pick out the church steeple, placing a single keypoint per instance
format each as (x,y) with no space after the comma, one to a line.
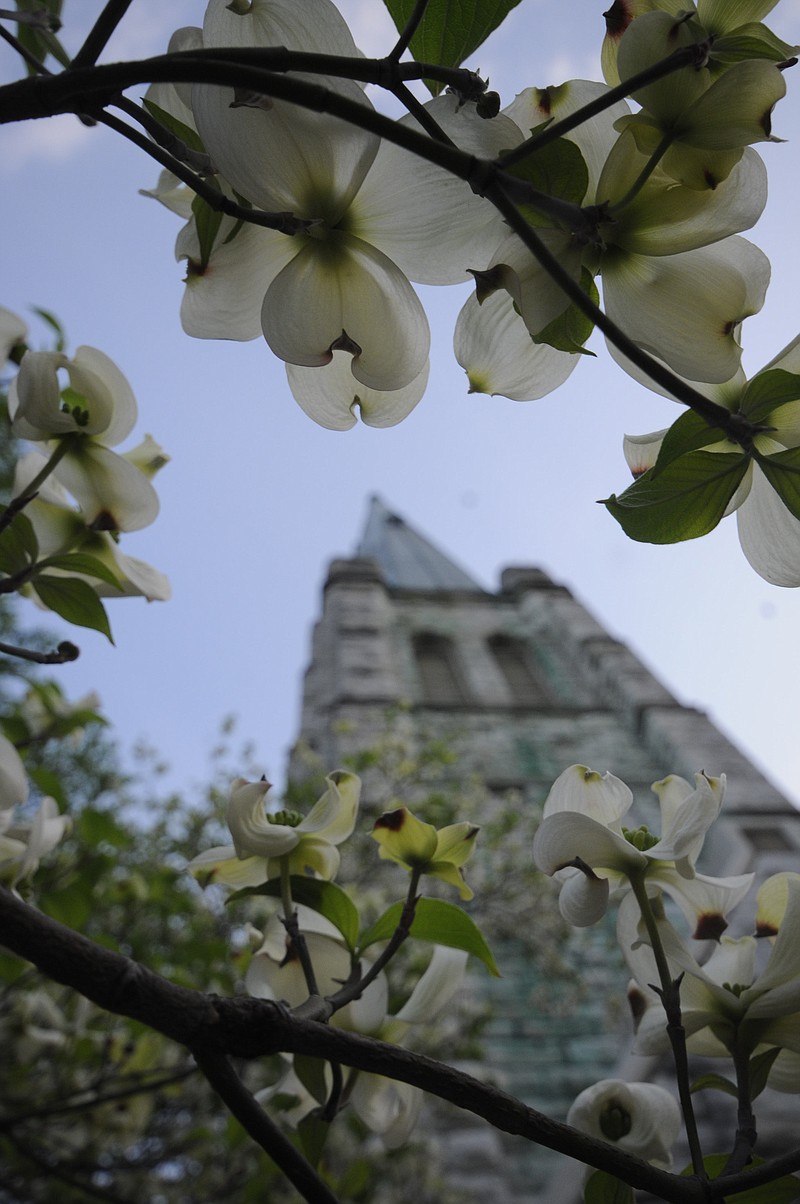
(407,559)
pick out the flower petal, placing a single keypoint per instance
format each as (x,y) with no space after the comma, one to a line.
(333,816)
(333,398)
(343,293)
(113,494)
(599,795)
(493,346)
(769,534)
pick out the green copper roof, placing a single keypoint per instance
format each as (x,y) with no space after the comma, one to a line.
(408,559)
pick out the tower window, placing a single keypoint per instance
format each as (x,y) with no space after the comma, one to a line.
(436,665)
(511,657)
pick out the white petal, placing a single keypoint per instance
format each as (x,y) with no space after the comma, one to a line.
(111,492)
(583,900)
(562,837)
(686,309)
(436,987)
(769,534)
(287,158)
(224,300)
(652,1116)
(333,816)
(346,291)
(312,25)
(641,451)
(387,1107)
(334,399)
(13,779)
(493,346)
(429,222)
(600,795)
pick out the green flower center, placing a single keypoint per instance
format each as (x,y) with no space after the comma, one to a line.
(615,1121)
(74,404)
(287,819)
(736,988)
(641,838)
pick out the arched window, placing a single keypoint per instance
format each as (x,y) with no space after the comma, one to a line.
(511,657)
(436,665)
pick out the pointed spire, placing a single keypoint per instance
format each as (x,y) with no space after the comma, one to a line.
(408,560)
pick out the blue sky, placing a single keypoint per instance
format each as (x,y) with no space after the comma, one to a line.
(258,499)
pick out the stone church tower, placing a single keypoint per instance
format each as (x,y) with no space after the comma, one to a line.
(519,684)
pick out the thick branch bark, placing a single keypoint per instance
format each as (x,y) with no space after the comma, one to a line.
(249,1028)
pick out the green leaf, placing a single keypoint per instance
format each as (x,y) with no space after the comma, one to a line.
(570,330)
(313,1133)
(450,30)
(602,1188)
(782,470)
(54,324)
(767,391)
(714,1082)
(83,563)
(780,1191)
(689,433)
(175,126)
(325,897)
(751,41)
(686,500)
(759,1068)
(50,783)
(558,170)
(18,544)
(75,601)
(437,921)
(311,1073)
(207,222)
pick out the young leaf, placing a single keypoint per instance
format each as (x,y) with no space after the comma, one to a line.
(437,921)
(767,391)
(313,1132)
(570,330)
(449,32)
(207,223)
(759,1069)
(714,1082)
(602,1188)
(75,601)
(311,1073)
(325,897)
(18,544)
(558,170)
(175,126)
(688,433)
(81,562)
(54,324)
(782,470)
(686,500)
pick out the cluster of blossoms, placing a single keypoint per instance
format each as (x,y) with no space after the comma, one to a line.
(269,844)
(78,493)
(23,844)
(651,200)
(727,1007)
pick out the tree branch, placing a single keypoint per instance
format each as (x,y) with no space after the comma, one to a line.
(254,1120)
(249,1028)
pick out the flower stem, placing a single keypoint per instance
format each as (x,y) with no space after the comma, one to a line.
(670,998)
(19,503)
(643,176)
(298,941)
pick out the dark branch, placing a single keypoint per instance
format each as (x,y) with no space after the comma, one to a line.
(100,32)
(64,652)
(249,1028)
(254,1120)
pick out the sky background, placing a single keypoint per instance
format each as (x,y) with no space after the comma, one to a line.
(257,499)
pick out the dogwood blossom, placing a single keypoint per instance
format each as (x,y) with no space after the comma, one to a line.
(262,840)
(95,413)
(582,840)
(60,527)
(768,532)
(387,1107)
(416,845)
(639,1118)
(23,845)
(725,1003)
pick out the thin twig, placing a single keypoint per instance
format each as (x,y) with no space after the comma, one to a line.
(101,31)
(411,26)
(64,653)
(255,1121)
